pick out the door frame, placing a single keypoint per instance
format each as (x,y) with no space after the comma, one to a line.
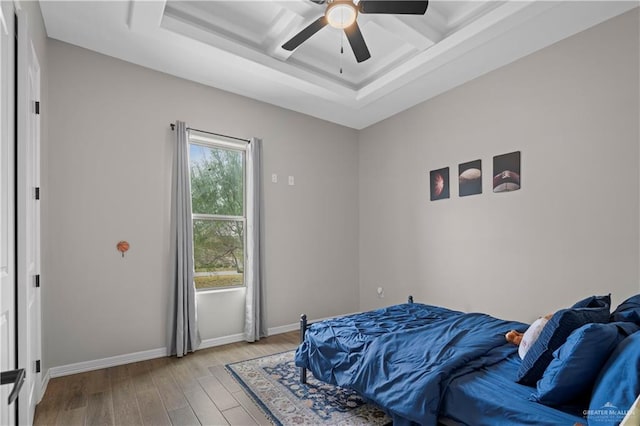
(27,355)
(8,210)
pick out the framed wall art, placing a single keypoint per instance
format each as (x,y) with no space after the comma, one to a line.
(470,178)
(439,180)
(506,172)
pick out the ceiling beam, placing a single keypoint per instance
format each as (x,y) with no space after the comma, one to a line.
(145,15)
(473,11)
(3,23)
(284,26)
(436,19)
(304,8)
(415,32)
(293,17)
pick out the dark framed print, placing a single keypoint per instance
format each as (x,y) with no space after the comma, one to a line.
(470,178)
(439,184)
(506,172)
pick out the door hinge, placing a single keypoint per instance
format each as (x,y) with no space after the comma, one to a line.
(37,193)
(37,366)
(37,280)
(38,107)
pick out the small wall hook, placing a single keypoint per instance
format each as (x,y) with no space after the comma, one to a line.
(122,247)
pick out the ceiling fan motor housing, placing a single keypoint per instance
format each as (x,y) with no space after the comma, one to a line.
(341,13)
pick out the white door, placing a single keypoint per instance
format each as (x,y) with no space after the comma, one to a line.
(7,210)
(28,249)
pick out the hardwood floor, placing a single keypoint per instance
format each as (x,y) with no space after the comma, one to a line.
(192,390)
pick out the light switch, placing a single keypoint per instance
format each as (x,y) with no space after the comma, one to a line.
(274,178)
(291,181)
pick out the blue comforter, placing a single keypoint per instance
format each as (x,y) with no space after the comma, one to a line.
(402,357)
(491,396)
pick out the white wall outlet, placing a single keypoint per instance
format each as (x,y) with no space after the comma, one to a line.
(380,292)
(291,181)
(274,178)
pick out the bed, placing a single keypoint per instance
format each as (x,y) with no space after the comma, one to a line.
(426,364)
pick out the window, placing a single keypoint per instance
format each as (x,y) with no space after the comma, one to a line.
(218,207)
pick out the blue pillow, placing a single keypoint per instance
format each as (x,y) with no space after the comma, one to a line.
(617,385)
(576,364)
(627,328)
(594,302)
(554,334)
(628,311)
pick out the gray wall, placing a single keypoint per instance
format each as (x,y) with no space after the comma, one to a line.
(109,179)
(359,212)
(571,231)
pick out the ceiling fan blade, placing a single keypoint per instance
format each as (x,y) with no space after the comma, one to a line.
(304,35)
(396,7)
(357,43)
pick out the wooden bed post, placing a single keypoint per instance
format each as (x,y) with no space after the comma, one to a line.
(410,299)
(303,329)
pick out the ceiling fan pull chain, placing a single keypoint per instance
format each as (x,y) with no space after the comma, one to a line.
(341,49)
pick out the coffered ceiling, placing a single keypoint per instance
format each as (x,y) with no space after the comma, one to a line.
(236,46)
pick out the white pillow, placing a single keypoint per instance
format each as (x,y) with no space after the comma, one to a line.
(531,335)
(633,415)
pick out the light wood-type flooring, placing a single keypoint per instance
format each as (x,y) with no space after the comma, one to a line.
(192,390)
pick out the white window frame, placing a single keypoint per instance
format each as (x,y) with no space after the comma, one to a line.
(196,138)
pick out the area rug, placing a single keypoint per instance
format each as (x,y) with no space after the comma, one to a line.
(273,382)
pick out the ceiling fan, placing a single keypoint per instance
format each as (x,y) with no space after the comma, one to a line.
(342,14)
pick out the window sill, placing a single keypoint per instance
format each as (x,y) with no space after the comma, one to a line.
(220,290)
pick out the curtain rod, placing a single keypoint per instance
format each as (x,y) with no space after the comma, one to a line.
(173,127)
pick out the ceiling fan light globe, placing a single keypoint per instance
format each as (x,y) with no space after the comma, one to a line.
(341,14)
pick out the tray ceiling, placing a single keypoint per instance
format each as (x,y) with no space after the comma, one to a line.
(236,46)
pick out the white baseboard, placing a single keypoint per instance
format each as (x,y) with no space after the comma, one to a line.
(82,367)
(283,329)
(296,326)
(97,364)
(219,341)
(44,384)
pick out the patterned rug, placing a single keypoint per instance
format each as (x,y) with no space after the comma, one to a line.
(274,384)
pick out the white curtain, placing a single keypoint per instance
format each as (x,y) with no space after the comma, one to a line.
(184,327)
(255,326)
